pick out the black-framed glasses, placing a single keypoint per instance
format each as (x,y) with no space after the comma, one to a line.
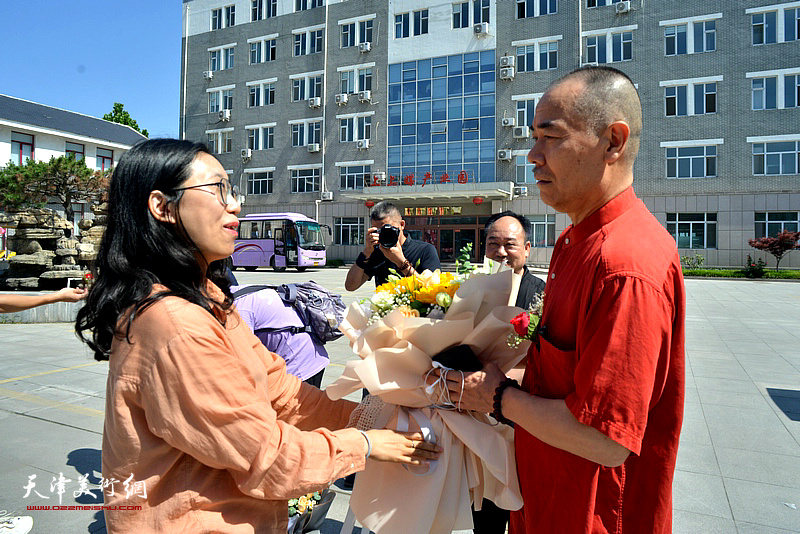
(228,194)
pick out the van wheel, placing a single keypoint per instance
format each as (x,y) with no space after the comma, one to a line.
(274,268)
(301,269)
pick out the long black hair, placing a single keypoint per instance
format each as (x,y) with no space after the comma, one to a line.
(138,251)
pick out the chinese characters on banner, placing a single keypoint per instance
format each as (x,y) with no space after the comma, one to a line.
(423,179)
(59,484)
(432,210)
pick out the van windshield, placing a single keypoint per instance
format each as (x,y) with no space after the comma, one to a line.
(310,235)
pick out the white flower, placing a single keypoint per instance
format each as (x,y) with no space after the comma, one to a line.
(382,300)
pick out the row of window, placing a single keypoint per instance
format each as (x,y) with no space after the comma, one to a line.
(225,17)
(307,180)
(22,149)
(699,230)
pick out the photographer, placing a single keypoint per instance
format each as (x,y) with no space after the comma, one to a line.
(387,247)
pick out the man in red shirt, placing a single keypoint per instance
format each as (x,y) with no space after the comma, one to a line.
(599,413)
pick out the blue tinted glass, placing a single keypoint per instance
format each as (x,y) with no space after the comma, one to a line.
(487,151)
(440,72)
(439,153)
(487,172)
(471,84)
(424,134)
(672,152)
(453,152)
(394,152)
(394,114)
(409,71)
(423,111)
(472,56)
(487,105)
(424,154)
(471,67)
(440,88)
(439,110)
(406,171)
(409,111)
(409,155)
(454,85)
(394,171)
(682,100)
(454,130)
(409,91)
(438,138)
(471,107)
(409,140)
(454,64)
(395,92)
(394,139)
(772,94)
(424,90)
(454,108)
(409,129)
(487,82)
(471,151)
(487,60)
(395,71)
(439,61)
(423,69)
(487,128)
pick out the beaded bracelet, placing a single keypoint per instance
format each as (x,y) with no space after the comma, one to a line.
(497,410)
(369,443)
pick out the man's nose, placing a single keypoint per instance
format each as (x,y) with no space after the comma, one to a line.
(535,155)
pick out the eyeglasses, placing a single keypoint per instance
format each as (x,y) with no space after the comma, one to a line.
(228,194)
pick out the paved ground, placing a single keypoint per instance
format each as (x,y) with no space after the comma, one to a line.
(738,466)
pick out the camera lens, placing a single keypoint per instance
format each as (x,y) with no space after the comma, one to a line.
(388,236)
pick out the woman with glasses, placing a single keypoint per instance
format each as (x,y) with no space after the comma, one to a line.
(202,423)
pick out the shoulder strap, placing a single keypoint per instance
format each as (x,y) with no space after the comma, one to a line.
(249,289)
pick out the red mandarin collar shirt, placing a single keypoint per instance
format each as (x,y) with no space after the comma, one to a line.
(613,349)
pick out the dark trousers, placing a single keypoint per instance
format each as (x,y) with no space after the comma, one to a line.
(490,519)
(316,380)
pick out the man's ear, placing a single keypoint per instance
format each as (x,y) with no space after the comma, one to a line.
(402,224)
(617,135)
(160,207)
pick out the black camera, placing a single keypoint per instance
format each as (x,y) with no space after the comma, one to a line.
(388,236)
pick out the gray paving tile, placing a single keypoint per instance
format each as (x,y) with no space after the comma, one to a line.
(697,458)
(764,504)
(732,399)
(700,494)
(726,384)
(766,468)
(695,431)
(684,522)
(776,441)
(743,527)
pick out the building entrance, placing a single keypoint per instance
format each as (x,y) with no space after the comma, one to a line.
(449,234)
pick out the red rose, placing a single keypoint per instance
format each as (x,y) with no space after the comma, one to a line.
(520,324)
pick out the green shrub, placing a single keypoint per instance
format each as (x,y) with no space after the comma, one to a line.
(335,263)
(754,269)
(693,262)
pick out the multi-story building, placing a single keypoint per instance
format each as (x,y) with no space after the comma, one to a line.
(327,108)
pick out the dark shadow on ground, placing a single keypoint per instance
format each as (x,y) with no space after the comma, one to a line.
(788,400)
(88,463)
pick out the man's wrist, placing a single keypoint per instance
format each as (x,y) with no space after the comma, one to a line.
(361,261)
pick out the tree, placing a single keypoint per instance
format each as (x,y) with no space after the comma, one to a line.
(120,116)
(779,245)
(64,178)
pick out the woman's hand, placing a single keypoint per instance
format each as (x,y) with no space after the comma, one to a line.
(402,447)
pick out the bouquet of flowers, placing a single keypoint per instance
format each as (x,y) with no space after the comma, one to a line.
(397,334)
(526,323)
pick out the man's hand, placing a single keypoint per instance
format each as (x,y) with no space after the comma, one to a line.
(371,241)
(478,387)
(395,255)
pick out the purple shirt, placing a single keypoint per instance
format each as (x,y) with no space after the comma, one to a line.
(304,357)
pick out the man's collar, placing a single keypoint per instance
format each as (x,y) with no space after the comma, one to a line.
(604,215)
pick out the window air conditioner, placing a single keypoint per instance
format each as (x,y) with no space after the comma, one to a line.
(365,96)
(507,73)
(362,144)
(247,153)
(520,191)
(507,61)
(208,75)
(313,147)
(622,7)
(522,132)
(225,115)
(364,47)
(504,155)
(509,121)
(326,196)
(341,99)
(480,29)
(314,102)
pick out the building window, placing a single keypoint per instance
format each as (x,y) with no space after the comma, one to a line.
(306,43)
(461,15)
(263,50)
(355,128)
(306,87)
(765,93)
(353,81)
(354,177)
(260,183)
(692,162)
(536,8)
(306,132)
(622,46)
(524,169)
(216,19)
(543,230)
(770,224)
(220,141)
(675,40)
(104,159)
(348,35)
(705,98)
(401,26)
(258,11)
(600,3)
(219,99)
(261,137)
(228,53)
(792,91)
(304,5)
(298,134)
(365,31)
(75,150)
(596,49)
(545,52)
(696,96)
(221,58)
(525,109)
(676,101)
(693,230)
(305,180)
(21,148)
(348,231)
(765,28)
(230,16)
(705,36)
(782,157)
(421,22)
(791,24)
(260,94)
(480,11)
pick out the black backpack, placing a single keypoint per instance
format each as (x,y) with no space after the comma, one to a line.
(320,310)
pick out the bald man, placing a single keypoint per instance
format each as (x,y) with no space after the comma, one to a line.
(599,412)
